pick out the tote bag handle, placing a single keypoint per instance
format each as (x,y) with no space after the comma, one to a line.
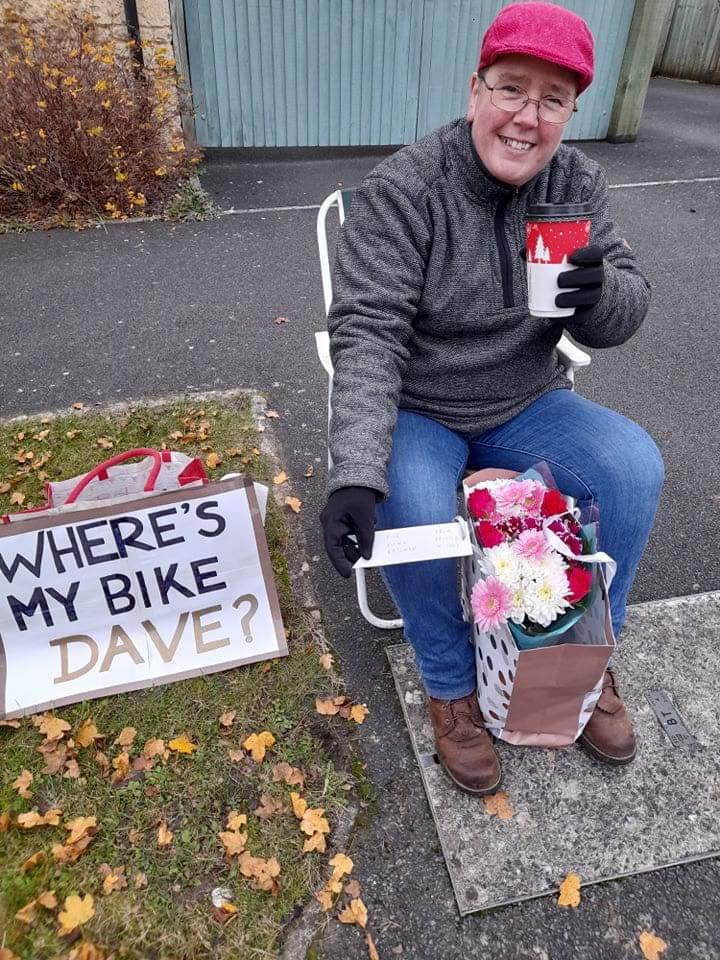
(120,458)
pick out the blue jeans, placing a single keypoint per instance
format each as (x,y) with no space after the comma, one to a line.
(596,456)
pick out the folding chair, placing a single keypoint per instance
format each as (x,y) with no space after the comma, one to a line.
(571,357)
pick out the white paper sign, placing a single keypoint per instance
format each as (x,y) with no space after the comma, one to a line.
(130,595)
(430,541)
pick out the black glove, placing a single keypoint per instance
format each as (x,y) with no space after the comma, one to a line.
(588,276)
(350,510)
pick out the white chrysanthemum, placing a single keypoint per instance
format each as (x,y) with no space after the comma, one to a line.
(506,564)
(545,596)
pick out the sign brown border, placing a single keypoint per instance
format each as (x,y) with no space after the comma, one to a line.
(141,503)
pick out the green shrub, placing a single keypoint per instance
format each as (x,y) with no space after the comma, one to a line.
(84,132)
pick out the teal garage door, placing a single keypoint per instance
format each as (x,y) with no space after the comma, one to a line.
(298,73)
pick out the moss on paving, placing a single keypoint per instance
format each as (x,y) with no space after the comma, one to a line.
(171,917)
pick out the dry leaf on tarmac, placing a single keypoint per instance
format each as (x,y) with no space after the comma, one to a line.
(289,775)
(309,471)
(263,874)
(326,661)
(279,320)
(272,414)
(280,478)
(22,783)
(352,888)
(236,820)
(140,881)
(33,861)
(79,405)
(372,949)
(257,743)
(324,898)
(182,745)
(651,945)
(87,734)
(213,460)
(113,878)
(341,865)
(570,891)
(268,807)
(53,728)
(498,805)
(27,914)
(358,712)
(76,911)
(299,805)
(164,835)
(234,842)
(294,504)
(125,737)
(34,819)
(227,718)
(355,912)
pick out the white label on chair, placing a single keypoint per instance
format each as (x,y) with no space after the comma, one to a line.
(432,541)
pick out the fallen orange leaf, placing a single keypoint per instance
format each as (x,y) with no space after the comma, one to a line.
(268,807)
(134,835)
(293,503)
(236,755)
(355,912)
(17,498)
(280,478)
(164,835)
(47,900)
(22,783)
(290,775)
(326,661)
(315,842)
(227,718)
(121,765)
(341,865)
(372,949)
(327,707)
(77,911)
(140,881)
(358,712)
(70,852)
(153,748)
(105,442)
(234,842)
(125,737)
(272,414)
(87,734)
(236,820)
(53,728)
(4,822)
(34,819)
(213,460)
(33,861)
(498,805)
(80,827)
(314,821)
(113,878)
(651,945)
(570,891)
(324,898)
(257,743)
(27,914)
(299,805)
(352,888)
(263,873)
(182,745)
(309,471)
(72,769)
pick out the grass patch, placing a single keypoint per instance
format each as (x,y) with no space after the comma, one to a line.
(191,202)
(172,916)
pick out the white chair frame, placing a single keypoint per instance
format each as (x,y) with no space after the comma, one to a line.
(571,357)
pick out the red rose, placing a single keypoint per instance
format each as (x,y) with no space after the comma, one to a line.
(553,503)
(488,535)
(481,504)
(579,583)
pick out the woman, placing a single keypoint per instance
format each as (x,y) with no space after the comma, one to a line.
(439,367)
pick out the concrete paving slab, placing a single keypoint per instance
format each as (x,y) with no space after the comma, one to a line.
(572,814)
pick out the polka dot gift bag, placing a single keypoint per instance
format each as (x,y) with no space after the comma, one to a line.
(536,592)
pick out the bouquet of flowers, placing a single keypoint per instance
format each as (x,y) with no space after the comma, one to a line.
(532,541)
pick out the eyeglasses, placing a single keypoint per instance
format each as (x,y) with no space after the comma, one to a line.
(513,99)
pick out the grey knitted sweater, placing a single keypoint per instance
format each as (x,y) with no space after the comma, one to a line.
(430,298)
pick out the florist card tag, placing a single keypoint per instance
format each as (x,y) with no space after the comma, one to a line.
(431,541)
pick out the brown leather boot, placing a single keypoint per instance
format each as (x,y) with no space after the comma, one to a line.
(609,735)
(463,744)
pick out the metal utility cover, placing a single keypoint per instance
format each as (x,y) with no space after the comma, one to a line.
(572,814)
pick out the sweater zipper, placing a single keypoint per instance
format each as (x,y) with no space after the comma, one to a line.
(504,251)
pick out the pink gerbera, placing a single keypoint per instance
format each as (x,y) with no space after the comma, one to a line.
(491,602)
(525,494)
(532,544)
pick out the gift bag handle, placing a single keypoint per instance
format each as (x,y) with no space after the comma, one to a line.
(120,458)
